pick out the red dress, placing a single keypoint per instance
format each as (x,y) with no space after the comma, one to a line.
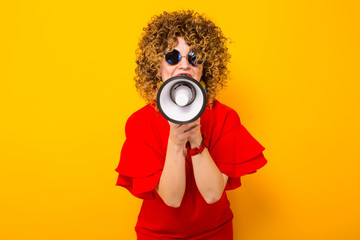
(232,148)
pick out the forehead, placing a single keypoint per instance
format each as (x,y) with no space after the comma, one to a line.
(178,43)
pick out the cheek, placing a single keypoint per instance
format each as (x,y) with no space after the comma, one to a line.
(165,71)
(199,73)
(162,70)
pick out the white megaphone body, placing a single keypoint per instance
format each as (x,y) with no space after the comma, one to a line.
(181,99)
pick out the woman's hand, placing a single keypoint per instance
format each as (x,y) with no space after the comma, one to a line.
(196,138)
(181,133)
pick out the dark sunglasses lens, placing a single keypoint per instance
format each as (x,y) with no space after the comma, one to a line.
(173,57)
(192,58)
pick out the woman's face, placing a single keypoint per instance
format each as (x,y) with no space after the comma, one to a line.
(183,66)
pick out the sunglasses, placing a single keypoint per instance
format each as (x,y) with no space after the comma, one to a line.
(174,57)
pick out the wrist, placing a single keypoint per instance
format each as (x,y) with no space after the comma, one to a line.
(196,150)
(196,143)
(174,146)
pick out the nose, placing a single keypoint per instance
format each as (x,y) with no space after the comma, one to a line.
(184,63)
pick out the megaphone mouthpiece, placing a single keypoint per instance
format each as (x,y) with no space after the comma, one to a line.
(182,93)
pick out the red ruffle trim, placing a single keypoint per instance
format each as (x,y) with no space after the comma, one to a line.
(141,187)
(235,171)
(236,154)
(139,169)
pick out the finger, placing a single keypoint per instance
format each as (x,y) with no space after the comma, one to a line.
(197,121)
(193,131)
(192,127)
(174,125)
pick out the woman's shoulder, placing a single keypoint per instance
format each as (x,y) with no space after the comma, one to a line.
(141,119)
(143,113)
(221,110)
(219,106)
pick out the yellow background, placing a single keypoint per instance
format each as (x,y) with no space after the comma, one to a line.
(66,90)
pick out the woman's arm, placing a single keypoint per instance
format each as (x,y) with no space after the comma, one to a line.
(171,187)
(209,180)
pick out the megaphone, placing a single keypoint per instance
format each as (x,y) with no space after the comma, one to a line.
(181,99)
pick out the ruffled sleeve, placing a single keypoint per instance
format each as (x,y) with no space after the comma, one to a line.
(236,152)
(141,161)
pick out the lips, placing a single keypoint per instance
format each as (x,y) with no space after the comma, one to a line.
(187,74)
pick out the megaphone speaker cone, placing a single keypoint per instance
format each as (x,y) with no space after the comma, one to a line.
(181,99)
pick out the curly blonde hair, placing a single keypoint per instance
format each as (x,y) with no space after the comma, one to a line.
(202,36)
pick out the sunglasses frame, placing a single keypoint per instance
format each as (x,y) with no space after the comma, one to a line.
(191,54)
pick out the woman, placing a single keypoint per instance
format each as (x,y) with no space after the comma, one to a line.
(182,171)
